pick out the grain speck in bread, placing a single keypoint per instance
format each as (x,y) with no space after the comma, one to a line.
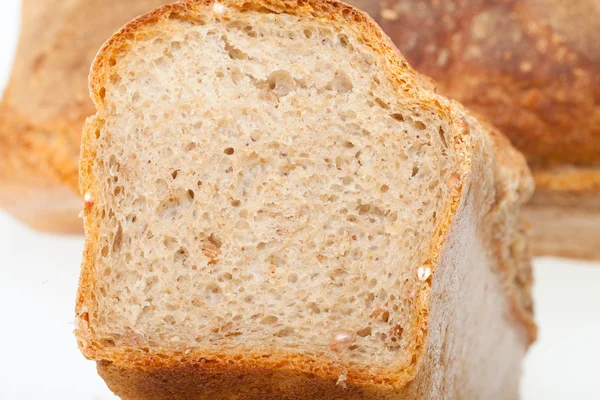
(283,209)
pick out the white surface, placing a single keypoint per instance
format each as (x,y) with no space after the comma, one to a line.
(38,280)
(563,364)
(39,358)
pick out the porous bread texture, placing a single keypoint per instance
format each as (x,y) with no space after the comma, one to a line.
(264,187)
(282,151)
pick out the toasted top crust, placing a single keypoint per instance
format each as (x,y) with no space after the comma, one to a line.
(471,138)
(532,67)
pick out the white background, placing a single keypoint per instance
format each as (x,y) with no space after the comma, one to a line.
(39,358)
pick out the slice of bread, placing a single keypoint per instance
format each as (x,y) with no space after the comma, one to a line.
(532,67)
(46,102)
(279,207)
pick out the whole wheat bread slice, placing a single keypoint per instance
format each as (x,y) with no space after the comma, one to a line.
(279,207)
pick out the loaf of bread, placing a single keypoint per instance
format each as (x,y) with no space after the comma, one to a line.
(279,207)
(46,102)
(532,67)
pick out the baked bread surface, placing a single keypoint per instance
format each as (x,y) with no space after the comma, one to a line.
(222,131)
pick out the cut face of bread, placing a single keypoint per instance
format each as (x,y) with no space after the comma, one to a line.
(264,185)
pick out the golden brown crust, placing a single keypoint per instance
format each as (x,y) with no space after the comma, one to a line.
(204,382)
(136,374)
(46,102)
(132,371)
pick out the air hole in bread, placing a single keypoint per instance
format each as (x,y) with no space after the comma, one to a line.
(115,79)
(269,320)
(415,171)
(175,48)
(107,342)
(382,103)
(281,82)
(249,30)
(118,239)
(162,62)
(136,98)
(236,75)
(442,135)
(190,146)
(180,255)
(341,82)
(343,40)
(233,52)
